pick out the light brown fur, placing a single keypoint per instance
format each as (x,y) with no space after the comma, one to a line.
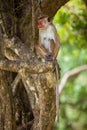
(48,40)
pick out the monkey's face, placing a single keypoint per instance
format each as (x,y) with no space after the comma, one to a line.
(43,23)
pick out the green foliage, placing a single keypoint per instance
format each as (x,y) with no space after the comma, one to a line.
(71,22)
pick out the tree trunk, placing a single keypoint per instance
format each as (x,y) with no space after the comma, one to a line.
(27,97)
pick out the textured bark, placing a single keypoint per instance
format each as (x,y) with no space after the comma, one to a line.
(50,7)
(33,79)
(6,113)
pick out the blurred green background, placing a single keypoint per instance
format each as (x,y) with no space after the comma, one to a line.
(71,23)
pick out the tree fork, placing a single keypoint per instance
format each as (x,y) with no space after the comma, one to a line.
(44,82)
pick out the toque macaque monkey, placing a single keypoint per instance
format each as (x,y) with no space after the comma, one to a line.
(49,42)
(48,48)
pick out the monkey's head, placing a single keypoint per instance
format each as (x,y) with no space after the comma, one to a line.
(43,22)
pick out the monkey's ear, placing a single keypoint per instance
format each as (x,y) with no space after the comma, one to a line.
(49,20)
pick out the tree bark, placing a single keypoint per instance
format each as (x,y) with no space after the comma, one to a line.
(31,78)
(6,113)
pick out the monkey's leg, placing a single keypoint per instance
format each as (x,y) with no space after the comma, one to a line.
(50,54)
(41,51)
(52,46)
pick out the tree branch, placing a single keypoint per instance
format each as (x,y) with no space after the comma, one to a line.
(47,6)
(69,74)
(15,66)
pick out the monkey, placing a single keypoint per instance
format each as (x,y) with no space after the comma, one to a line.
(49,41)
(48,47)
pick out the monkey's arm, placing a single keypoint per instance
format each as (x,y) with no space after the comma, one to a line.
(56,42)
(41,51)
(56,49)
(57,46)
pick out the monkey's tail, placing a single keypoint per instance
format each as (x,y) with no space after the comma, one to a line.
(57,91)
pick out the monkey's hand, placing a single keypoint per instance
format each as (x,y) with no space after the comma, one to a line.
(49,57)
